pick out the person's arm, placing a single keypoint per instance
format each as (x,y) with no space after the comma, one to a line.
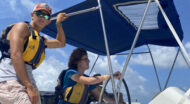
(89,80)
(60,39)
(16,36)
(93,80)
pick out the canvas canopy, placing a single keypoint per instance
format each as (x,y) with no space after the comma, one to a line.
(122,18)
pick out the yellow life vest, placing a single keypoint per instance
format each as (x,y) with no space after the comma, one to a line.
(34,46)
(76,94)
(34,49)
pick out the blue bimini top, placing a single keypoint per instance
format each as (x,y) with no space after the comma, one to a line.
(122,19)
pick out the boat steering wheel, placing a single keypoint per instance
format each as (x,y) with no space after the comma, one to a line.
(104,86)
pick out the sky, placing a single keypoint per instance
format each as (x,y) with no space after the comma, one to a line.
(140,75)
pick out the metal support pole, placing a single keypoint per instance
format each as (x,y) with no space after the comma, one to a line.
(132,53)
(155,70)
(184,52)
(93,65)
(107,52)
(78,12)
(133,45)
(185,60)
(171,70)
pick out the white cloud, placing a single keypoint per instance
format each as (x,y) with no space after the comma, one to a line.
(136,83)
(47,73)
(7,6)
(29,4)
(62,53)
(163,57)
(16,9)
(13,4)
(187,45)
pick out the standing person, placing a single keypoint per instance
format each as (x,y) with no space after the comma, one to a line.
(76,84)
(23,50)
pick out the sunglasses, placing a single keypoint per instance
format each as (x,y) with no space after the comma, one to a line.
(42,14)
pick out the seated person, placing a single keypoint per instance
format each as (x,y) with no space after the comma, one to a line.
(77,84)
(110,95)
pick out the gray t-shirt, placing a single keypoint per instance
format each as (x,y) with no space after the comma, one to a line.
(7,71)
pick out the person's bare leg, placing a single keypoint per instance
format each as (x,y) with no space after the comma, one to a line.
(121,98)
